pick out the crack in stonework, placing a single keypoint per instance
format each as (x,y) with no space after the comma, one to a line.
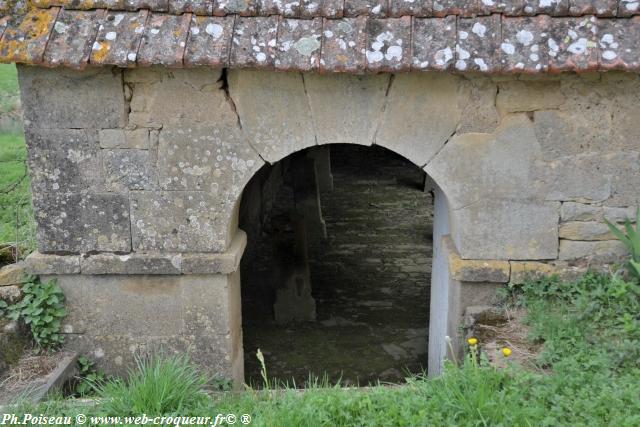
(383,109)
(446,141)
(224,86)
(313,119)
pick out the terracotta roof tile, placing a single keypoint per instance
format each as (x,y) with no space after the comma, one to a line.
(593,7)
(343,45)
(164,40)
(375,8)
(628,8)
(433,43)
(388,45)
(524,48)
(298,44)
(352,8)
(72,38)
(548,7)
(209,41)
(199,7)
(254,42)
(478,44)
(324,8)
(239,7)
(25,40)
(573,45)
(507,7)
(119,39)
(618,44)
(418,8)
(490,44)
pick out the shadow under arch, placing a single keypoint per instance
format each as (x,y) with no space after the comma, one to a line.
(249,219)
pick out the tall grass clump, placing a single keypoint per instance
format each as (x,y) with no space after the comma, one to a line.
(158,385)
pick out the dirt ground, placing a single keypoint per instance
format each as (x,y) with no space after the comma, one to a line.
(27,375)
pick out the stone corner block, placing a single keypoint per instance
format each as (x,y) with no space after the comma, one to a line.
(135,263)
(471,270)
(211,263)
(12,274)
(507,229)
(38,263)
(93,98)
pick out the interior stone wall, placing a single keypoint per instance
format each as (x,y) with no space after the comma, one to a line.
(141,171)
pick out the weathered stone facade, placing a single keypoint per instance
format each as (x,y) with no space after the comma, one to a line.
(137,177)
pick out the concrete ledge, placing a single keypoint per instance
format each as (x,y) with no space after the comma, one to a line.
(472,270)
(141,263)
(38,263)
(131,264)
(227,262)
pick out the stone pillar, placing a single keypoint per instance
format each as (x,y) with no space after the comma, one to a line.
(294,301)
(469,283)
(122,306)
(322,157)
(307,196)
(438,310)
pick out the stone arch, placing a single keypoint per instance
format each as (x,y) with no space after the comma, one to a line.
(487,178)
(440,230)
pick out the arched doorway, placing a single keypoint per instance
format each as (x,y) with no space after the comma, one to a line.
(337,271)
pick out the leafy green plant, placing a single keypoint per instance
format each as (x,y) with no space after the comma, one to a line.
(159,385)
(631,240)
(42,309)
(89,377)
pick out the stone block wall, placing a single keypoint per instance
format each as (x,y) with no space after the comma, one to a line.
(140,171)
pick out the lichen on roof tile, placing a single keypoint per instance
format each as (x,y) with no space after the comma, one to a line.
(164,40)
(418,8)
(119,39)
(26,40)
(573,44)
(618,44)
(254,42)
(442,8)
(547,7)
(298,44)
(199,7)
(72,38)
(478,44)
(433,43)
(209,41)
(388,44)
(503,41)
(375,8)
(506,7)
(604,8)
(238,7)
(524,46)
(343,45)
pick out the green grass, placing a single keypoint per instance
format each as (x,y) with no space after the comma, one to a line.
(16,214)
(9,90)
(589,376)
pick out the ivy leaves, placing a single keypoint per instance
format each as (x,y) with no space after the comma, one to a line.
(42,309)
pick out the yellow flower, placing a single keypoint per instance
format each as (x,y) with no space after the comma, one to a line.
(506,352)
(472,341)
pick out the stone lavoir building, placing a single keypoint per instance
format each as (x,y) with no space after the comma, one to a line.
(146,119)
